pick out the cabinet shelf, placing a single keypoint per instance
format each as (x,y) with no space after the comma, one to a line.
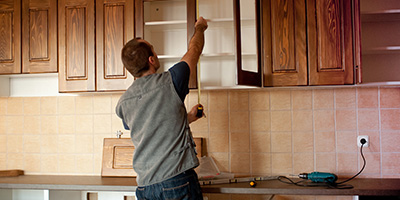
(382,50)
(380,16)
(207,55)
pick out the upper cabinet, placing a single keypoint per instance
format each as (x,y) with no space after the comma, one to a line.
(307,42)
(10,36)
(378,41)
(29,34)
(228,59)
(90,43)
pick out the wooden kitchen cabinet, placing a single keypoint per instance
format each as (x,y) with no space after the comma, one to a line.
(28,35)
(10,36)
(228,59)
(90,43)
(307,42)
(39,36)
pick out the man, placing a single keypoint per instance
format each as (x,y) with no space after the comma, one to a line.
(153,110)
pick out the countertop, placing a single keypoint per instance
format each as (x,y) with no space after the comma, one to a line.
(362,186)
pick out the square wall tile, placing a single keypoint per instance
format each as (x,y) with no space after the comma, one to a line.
(84,144)
(347,163)
(346,120)
(32,105)
(260,142)
(239,100)
(240,163)
(346,141)
(325,162)
(14,124)
(15,161)
(48,105)
(239,121)
(240,142)
(66,105)
(345,98)
(84,163)
(219,142)
(259,100)
(32,163)
(281,121)
(49,144)
(66,124)
(324,120)
(280,100)
(367,97)
(281,142)
(373,165)
(32,143)
(15,144)
(32,124)
(84,124)
(49,163)
(114,101)
(3,128)
(302,99)
(323,99)
(102,123)
(368,119)
(192,100)
(66,144)
(282,164)
(302,120)
(3,161)
(390,141)
(200,125)
(49,124)
(390,97)
(219,121)
(260,121)
(261,163)
(67,163)
(84,104)
(303,142)
(390,119)
(218,101)
(102,104)
(325,141)
(303,162)
(15,106)
(391,163)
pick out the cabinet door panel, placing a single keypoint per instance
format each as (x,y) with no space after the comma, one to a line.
(284,43)
(39,36)
(114,28)
(10,36)
(76,46)
(330,42)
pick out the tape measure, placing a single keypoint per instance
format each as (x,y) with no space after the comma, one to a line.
(199,108)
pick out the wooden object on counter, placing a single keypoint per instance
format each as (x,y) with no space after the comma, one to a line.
(14,172)
(118,155)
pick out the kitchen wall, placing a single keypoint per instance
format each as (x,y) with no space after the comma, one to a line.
(247,132)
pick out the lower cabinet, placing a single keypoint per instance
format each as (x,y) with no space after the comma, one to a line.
(22,194)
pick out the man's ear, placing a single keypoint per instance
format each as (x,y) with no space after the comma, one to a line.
(151,60)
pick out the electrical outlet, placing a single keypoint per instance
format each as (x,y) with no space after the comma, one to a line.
(362,137)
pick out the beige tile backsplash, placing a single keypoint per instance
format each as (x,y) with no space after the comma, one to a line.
(247,132)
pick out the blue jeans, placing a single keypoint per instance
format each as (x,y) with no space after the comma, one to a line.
(184,186)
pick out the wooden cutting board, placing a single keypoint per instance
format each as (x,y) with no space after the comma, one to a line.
(14,172)
(118,156)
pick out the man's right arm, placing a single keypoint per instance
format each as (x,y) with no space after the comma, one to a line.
(196,44)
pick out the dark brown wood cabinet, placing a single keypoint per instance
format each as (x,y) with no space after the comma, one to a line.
(307,42)
(90,41)
(10,36)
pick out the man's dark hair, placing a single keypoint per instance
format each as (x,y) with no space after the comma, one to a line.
(135,55)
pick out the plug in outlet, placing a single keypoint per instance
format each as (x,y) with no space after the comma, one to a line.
(359,138)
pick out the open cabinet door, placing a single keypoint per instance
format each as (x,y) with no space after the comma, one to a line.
(246,17)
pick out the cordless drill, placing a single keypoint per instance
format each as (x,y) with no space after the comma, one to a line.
(319,177)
